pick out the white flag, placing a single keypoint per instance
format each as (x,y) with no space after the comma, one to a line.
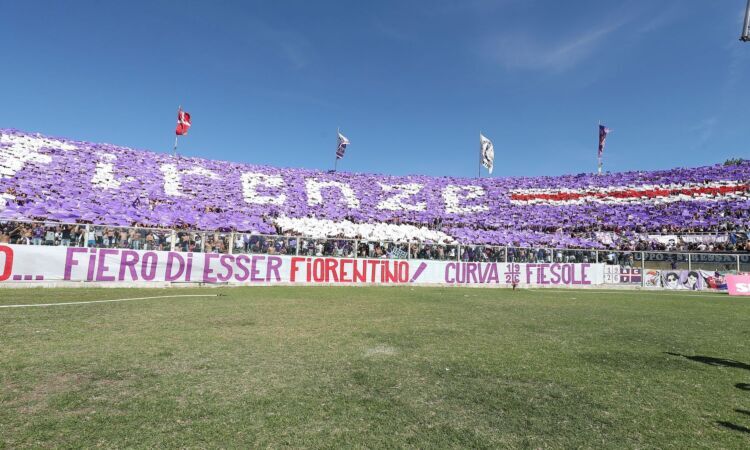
(341,148)
(487,152)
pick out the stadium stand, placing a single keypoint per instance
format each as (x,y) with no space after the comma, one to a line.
(59,180)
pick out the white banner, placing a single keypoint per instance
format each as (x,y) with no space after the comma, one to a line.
(29,263)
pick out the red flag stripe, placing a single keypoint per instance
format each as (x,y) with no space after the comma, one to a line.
(615,194)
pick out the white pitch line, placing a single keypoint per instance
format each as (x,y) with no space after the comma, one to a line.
(109,301)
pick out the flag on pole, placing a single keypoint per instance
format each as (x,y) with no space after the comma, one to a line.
(487,152)
(603,132)
(183,122)
(341,148)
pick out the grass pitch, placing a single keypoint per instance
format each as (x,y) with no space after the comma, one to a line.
(375,367)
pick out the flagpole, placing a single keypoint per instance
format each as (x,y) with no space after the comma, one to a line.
(335,156)
(599,153)
(746,24)
(479,168)
(174,149)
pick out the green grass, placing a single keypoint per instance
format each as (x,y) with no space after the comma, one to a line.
(375,367)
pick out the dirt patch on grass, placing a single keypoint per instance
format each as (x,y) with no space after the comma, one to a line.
(36,399)
(381,350)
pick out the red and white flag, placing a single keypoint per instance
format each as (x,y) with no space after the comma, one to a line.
(183,122)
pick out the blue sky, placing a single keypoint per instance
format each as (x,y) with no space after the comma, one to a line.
(411,83)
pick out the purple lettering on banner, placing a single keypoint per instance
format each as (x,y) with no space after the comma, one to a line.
(128,260)
(148,266)
(207,278)
(274,264)
(554,271)
(254,270)
(70,261)
(242,272)
(492,276)
(92,265)
(482,272)
(172,258)
(584,273)
(126,265)
(471,272)
(460,273)
(529,268)
(542,274)
(226,262)
(567,273)
(574,280)
(448,277)
(189,269)
(100,271)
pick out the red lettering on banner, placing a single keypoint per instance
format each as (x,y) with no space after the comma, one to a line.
(331,275)
(360,273)
(343,274)
(390,274)
(373,263)
(318,270)
(8,264)
(125,265)
(404,272)
(294,269)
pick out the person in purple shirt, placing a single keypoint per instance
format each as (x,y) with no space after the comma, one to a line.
(37,234)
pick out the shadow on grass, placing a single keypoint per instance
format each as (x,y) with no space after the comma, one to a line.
(743,386)
(733,426)
(743,411)
(711,361)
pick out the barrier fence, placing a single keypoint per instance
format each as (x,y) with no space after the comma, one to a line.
(235,243)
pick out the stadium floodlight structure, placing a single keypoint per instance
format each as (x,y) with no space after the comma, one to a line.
(746,25)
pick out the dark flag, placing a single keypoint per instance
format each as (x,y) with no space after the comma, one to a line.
(343,142)
(603,132)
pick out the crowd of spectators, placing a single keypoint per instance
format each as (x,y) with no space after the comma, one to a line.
(142,238)
(101,186)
